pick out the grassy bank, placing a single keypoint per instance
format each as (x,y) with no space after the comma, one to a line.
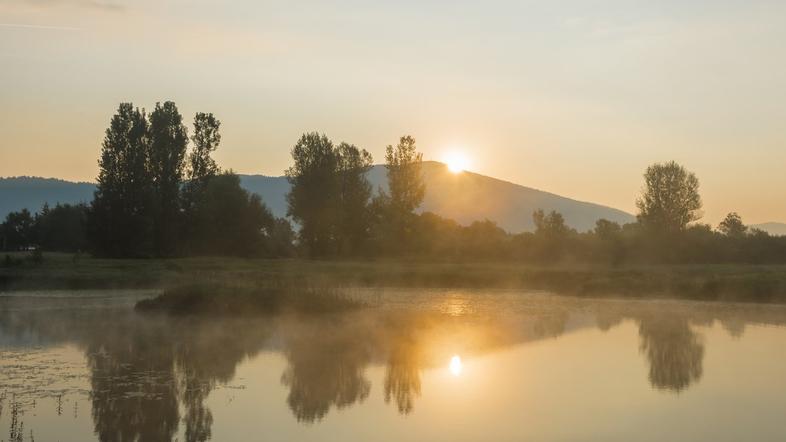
(706,282)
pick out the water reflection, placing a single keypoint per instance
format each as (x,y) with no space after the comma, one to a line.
(326,368)
(150,377)
(674,352)
(402,377)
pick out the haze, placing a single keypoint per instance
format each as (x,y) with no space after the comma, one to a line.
(576,98)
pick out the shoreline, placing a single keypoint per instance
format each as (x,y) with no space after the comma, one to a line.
(722,282)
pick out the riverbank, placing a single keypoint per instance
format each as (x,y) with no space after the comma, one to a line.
(747,283)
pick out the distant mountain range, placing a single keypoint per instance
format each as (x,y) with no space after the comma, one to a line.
(465,197)
(778,229)
(31,193)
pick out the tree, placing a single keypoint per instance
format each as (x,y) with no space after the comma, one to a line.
(18,231)
(405,179)
(607,230)
(168,143)
(551,225)
(355,194)
(394,210)
(732,226)
(670,199)
(609,241)
(201,166)
(313,198)
(280,238)
(62,228)
(551,235)
(120,221)
(483,240)
(229,221)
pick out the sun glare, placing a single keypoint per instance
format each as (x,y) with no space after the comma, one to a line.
(456,162)
(455,365)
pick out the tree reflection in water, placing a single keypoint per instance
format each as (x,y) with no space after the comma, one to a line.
(326,368)
(151,376)
(402,378)
(674,352)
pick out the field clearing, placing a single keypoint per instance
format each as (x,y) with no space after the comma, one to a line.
(750,283)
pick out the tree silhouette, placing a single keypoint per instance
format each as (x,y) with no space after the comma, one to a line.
(227,220)
(312,201)
(120,220)
(732,226)
(353,165)
(18,230)
(394,209)
(329,195)
(168,144)
(670,199)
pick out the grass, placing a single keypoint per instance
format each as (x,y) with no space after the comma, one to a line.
(751,283)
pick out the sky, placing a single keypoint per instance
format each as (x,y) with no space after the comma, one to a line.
(573,97)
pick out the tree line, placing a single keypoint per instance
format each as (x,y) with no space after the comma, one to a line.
(157,197)
(160,193)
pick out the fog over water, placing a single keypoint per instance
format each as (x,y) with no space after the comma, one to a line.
(413,365)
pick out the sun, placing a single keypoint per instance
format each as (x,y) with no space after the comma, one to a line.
(455,365)
(456,161)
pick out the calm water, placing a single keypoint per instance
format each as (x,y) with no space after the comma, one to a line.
(418,365)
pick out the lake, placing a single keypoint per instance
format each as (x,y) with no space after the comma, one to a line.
(420,365)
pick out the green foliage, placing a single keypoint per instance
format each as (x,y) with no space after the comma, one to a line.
(201,166)
(313,200)
(330,195)
(405,179)
(144,207)
(228,221)
(732,226)
(670,200)
(607,242)
(280,239)
(62,228)
(168,144)
(120,221)
(18,231)
(355,194)
(395,219)
(206,139)
(551,235)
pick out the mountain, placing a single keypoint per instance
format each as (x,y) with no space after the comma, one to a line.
(465,197)
(778,229)
(31,193)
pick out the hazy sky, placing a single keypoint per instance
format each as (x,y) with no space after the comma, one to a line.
(574,97)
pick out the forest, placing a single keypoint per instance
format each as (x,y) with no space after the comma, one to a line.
(161,194)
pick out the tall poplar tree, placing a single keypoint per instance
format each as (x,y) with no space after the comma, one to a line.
(168,144)
(201,165)
(120,221)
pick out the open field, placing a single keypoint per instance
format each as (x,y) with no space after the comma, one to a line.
(749,283)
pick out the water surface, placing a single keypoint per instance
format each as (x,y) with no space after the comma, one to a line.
(415,365)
